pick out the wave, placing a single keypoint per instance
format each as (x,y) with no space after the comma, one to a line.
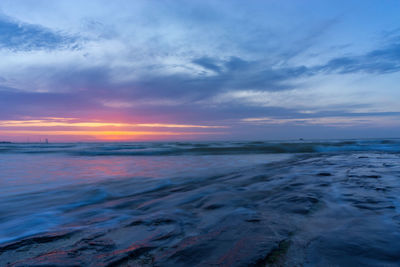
(203,148)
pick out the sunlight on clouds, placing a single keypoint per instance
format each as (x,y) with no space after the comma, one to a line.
(67,122)
(99,133)
(68,128)
(286,99)
(58,135)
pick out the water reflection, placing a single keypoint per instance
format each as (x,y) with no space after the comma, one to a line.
(28,173)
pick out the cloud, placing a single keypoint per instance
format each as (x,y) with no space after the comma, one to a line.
(19,36)
(208,63)
(189,62)
(349,120)
(229,74)
(378,61)
(233,73)
(16,104)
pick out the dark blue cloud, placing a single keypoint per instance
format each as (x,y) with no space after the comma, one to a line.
(233,74)
(208,63)
(378,61)
(18,36)
(236,73)
(229,74)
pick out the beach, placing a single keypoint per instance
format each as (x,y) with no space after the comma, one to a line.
(293,203)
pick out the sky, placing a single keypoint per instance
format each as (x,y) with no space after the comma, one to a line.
(199,70)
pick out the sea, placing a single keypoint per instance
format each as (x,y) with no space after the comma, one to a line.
(238,203)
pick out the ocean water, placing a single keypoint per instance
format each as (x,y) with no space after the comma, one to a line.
(310,203)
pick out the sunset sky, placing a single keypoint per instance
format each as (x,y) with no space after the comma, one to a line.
(199,70)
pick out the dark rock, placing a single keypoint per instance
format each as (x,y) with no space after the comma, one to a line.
(324,174)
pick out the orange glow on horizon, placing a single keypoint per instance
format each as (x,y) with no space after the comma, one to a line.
(101,133)
(76,129)
(66,122)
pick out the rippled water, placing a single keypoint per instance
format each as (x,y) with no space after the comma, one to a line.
(329,203)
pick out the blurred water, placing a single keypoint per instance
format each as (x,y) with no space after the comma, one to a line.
(179,204)
(21,173)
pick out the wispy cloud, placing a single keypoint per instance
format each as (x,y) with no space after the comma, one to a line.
(332,121)
(378,61)
(19,36)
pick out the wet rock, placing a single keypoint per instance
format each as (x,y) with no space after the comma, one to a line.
(276,257)
(324,174)
(213,206)
(373,176)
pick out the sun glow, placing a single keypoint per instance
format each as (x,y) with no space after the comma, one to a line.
(66,122)
(62,128)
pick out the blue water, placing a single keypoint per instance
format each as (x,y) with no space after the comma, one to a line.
(183,196)
(201,148)
(29,167)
